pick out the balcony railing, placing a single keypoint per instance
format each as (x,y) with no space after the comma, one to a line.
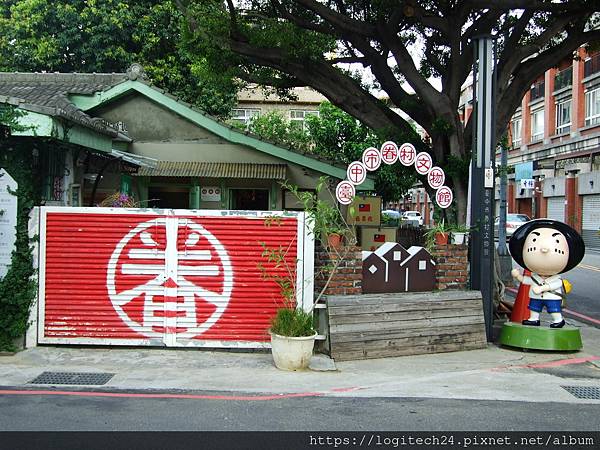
(592,65)
(563,78)
(537,90)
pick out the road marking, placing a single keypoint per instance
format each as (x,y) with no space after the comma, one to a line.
(248,398)
(585,266)
(558,363)
(581,316)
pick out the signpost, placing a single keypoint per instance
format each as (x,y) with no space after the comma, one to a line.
(482,174)
(8,220)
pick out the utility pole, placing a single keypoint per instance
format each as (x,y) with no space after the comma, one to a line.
(483,175)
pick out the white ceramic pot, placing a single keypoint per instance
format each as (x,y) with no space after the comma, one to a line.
(458,238)
(292,353)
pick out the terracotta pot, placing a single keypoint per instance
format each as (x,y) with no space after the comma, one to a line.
(441,238)
(334,240)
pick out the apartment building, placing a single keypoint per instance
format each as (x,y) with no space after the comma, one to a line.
(255,101)
(555,147)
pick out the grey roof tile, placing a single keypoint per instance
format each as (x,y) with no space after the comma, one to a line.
(49,92)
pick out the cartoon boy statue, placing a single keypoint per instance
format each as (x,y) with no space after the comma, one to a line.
(547,248)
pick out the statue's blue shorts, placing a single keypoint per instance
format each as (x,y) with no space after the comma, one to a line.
(552,306)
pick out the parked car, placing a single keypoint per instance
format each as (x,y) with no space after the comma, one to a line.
(513,221)
(391,213)
(414,216)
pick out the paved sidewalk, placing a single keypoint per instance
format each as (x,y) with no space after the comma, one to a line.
(490,374)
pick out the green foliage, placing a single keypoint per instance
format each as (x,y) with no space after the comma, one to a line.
(340,138)
(323,209)
(289,320)
(440,227)
(292,322)
(17,288)
(273,126)
(108,36)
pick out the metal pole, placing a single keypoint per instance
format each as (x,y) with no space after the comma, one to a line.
(483,192)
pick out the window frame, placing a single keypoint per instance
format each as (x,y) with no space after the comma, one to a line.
(540,133)
(592,119)
(564,127)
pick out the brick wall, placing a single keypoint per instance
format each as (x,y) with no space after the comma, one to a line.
(348,278)
(451,266)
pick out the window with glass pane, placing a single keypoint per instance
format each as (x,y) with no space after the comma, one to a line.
(244,116)
(298,117)
(516,132)
(563,117)
(537,125)
(592,107)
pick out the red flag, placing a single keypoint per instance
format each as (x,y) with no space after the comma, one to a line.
(379,238)
(364,207)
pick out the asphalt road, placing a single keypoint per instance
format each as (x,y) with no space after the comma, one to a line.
(585,296)
(69,413)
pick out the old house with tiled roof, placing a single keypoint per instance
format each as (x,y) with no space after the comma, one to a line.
(95,134)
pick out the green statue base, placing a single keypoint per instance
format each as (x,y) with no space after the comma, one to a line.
(540,338)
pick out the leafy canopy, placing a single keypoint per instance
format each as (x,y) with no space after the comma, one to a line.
(401,43)
(108,36)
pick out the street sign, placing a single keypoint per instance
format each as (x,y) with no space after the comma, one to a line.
(527,183)
(371,158)
(356,172)
(436,177)
(389,152)
(345,192)
(423,163)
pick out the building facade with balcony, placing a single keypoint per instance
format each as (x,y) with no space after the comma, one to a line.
(554,139)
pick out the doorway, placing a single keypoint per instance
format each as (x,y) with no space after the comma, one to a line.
(168,197)
(249,199)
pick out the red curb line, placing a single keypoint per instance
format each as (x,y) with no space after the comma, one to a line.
(558,363)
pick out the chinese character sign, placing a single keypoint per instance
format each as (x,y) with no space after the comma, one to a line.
(423,163)
(389,152)
(371,158)
(407,154)
(158,279)
(436,177)
(344,192)
(444,197)
(357,172)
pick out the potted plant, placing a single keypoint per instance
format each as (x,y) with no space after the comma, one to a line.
(437,235)
(292,330)
(459,234)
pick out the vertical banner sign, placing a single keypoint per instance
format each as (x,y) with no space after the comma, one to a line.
(482,202)
(8,220)
(140,278)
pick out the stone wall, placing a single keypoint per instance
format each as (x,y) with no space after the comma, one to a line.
(347,280)
(451,266)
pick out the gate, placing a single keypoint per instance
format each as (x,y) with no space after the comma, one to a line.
(591,221)
(164,277)
(556,208)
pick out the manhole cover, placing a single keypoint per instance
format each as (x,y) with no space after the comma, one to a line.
(585,392)
(87,378)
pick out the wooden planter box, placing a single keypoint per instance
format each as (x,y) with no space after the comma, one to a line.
(388,325)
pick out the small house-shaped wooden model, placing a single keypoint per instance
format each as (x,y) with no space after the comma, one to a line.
(392,268)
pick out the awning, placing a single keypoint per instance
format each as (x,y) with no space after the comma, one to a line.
(136,160)
(214,170)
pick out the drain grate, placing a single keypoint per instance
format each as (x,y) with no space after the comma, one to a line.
(82,378)
(584,392)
